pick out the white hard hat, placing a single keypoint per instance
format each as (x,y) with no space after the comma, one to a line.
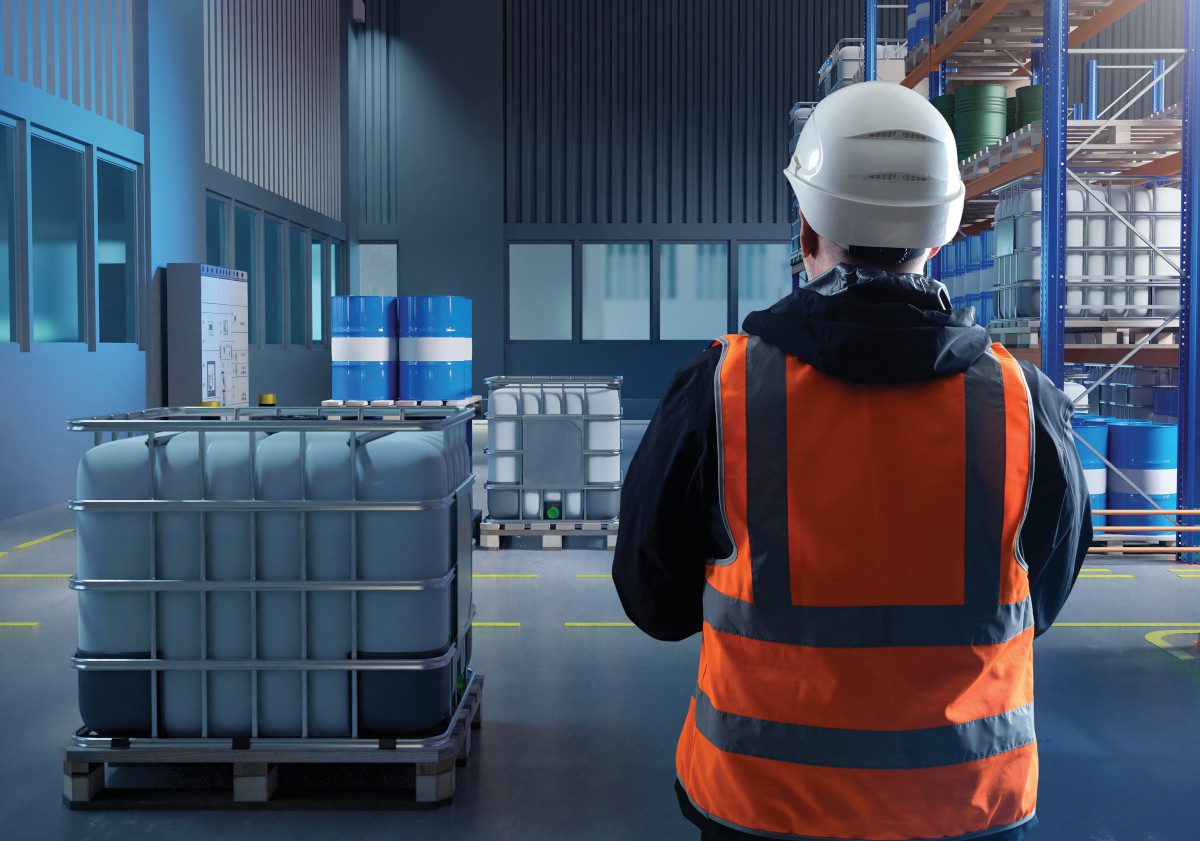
(876,165)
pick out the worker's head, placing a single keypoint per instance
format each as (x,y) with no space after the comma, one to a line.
(876,177)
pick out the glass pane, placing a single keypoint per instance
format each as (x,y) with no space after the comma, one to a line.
(317,289)
(214,231)
(616,290)
(116,253)
(693,290)
(245,258)
(272,282)
(8,197)
(764,275)
(297,285)
(377,268)
(335,269)
(56,264)
(539,291)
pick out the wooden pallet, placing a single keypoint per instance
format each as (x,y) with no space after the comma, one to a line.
(475,400)
(1024,332)
(551,532)
(383,775)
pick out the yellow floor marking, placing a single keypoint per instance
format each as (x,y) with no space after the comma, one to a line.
(505,575)
(1127,624)
(593,575)
(496,624)
(38,540)
(1186,577)
(35,575)
(2,554)
(1159,638)
(598,625)
(1094,569)
(1105,575)
(18,624)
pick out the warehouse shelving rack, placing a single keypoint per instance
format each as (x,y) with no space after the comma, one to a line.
(1005,39)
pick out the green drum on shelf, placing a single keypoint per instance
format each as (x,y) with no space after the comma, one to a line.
(1029,105)
(980,117)
(1011,123)
(945,104)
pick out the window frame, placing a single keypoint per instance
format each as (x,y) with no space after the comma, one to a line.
(576,288)
(87,258)
(283,280)
(137,169)
(577,303)
(18,257)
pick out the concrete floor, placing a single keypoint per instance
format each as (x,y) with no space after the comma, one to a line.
(580,723)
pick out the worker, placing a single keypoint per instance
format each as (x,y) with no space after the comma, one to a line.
(868,511)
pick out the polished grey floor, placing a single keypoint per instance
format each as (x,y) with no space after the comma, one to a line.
(580,722)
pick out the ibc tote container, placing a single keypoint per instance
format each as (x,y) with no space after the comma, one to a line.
(554,448)
(270,573)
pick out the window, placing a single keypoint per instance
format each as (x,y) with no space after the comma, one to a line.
(8,213)
(616,290)
(317,288)
(272,281)
(116,253)
(336,280)
(377,268)
(214,231)
(245,255)
(539,291)
(693,290)
(297,285)
(56,262)
(764,275)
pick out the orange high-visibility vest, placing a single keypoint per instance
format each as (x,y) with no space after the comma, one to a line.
(866,669)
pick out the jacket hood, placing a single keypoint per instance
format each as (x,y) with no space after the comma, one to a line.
(871,326)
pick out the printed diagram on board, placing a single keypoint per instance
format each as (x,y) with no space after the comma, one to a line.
(224,316)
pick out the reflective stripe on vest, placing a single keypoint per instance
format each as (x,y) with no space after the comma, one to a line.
(866,668)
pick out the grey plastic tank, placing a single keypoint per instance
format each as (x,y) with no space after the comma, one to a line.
(115,544)
(217,543)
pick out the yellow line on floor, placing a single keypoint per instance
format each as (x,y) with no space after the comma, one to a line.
(1127,624)
(18,624)
(598,625)
(38,540)
(496,624)
(505,575)
(1187,577)
(593,575)
(59,575)
(1159,638)
(2,554)
(1094,569)
(1084,575)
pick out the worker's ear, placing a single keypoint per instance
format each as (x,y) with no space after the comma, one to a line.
(810,240)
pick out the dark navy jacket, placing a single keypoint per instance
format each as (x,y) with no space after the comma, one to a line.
(861,325)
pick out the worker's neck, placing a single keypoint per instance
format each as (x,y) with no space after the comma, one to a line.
(816,265)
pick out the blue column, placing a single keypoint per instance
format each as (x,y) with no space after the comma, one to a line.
(1093,88)
(870,39)
(1158,93)
(1189,319)
(1054,187)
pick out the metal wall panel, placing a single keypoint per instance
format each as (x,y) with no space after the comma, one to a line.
(1156,23)
(273,97)
(660,111)
(376,114)
(81,51)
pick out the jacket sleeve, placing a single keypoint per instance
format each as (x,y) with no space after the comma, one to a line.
(669,509)
(1058,525)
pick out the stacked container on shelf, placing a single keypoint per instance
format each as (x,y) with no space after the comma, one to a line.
(919,22)
(1111,272)
(844,64)
(797,117)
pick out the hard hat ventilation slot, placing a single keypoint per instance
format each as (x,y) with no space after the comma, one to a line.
(895,134)
(906,177)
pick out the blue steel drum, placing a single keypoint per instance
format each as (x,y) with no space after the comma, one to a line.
(363,333)
(435,347)
(1095,432)
(1147,454)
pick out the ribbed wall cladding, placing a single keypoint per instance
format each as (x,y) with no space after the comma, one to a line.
(273,97)
(1156,23)
(659,111)
(376,115)
(78,50)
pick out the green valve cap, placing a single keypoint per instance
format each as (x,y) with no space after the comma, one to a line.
(553,512)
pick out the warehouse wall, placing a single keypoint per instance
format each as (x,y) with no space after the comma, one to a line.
(1156,23)
(272,97)
(73,69)
(426,156)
